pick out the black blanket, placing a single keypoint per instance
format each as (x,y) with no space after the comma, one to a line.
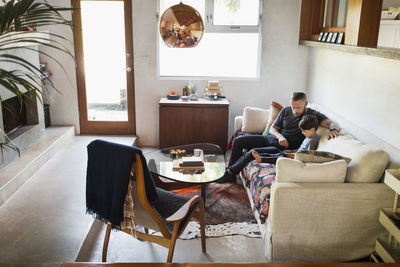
(107,179)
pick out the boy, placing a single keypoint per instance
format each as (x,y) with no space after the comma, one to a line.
(308,126)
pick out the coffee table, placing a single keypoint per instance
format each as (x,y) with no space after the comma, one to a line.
(160,164)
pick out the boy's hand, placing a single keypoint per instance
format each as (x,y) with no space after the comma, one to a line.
(290,155)
(283,142)
(333,134)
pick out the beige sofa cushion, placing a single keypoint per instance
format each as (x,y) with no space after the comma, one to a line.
(254,120)
(314,156)
(367,162)
(292,171)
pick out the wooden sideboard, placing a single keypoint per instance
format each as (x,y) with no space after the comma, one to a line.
(189,122)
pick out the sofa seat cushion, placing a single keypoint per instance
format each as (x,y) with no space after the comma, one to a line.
(259,178)
(367,161)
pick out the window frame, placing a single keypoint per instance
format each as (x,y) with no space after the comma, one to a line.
(208,27)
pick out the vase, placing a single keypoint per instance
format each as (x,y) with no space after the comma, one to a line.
(194,97)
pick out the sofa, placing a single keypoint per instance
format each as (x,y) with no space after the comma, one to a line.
(325,214)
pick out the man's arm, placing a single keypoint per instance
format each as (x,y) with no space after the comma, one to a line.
(333,128)
(274,131)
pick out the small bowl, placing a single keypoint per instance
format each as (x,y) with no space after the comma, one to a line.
(184,98)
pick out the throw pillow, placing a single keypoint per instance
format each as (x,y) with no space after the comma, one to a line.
(274,110)
(254,120)
(314,156)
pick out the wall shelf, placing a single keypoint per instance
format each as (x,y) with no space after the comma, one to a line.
(389,249)
(384,52)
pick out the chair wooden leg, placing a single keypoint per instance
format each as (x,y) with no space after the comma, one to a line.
(202,227)
(173,241)
(105,244)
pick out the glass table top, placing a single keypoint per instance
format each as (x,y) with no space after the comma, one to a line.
(161,163)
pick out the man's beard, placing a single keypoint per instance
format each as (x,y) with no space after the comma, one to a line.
(299,114)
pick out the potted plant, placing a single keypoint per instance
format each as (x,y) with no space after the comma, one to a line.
(17,19)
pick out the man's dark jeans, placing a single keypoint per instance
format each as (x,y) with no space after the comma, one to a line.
(268,155)
(249,142)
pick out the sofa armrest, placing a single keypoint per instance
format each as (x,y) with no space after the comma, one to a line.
(326,221)
(238,123)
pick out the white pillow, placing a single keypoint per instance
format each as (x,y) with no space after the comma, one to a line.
(368,162)
(254,120)
(295,171)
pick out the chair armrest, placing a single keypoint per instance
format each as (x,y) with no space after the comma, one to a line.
(333,221)
(238,123)
(184,210)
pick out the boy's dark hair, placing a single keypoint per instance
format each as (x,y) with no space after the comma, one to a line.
(299,96)
(308,121)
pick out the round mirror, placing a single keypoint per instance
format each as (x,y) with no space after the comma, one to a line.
(181,26)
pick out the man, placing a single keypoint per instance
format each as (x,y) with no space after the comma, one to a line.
(285,132)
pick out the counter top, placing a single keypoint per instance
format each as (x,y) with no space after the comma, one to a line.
(385,52)
(201,101)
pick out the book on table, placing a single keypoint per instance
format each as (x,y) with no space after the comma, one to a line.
(194,163)
(191,162)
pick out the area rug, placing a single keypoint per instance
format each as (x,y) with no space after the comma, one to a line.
(227,212)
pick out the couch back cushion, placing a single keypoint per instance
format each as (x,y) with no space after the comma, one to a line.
(254,120)
(367,161)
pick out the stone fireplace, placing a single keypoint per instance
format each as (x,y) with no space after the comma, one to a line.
(23,127)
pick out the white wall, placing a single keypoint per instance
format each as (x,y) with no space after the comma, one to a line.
(283,66)
(363,89)
(64,103)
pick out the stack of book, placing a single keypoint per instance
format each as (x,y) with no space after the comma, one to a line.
(213,87)
(188,163)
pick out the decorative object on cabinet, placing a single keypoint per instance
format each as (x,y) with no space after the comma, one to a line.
(193,95)
(387,250)
(173,96)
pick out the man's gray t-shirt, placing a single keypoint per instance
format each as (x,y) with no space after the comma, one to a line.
(289,123)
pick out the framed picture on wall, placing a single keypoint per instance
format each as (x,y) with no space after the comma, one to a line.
(328,40)
(334,37)
(325,36)
(340,38)
(321,34)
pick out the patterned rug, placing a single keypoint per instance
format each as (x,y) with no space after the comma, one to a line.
(227,212)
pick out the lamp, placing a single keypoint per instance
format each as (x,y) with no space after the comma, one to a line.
(181,26)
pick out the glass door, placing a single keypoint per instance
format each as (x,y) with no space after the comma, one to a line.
(103,48)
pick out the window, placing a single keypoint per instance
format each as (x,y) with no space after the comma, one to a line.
(335,14)
(230,46)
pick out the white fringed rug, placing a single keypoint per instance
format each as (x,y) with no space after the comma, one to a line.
(226,229)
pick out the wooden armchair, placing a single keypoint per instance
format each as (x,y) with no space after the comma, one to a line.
(169,214)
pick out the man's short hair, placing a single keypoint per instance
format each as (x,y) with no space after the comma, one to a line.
(299,96)
(308,121)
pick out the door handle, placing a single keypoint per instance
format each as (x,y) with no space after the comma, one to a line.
(128,69)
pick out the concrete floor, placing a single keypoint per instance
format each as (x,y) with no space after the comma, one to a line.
(44,222)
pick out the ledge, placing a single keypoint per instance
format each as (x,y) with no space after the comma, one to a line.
(384,52)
